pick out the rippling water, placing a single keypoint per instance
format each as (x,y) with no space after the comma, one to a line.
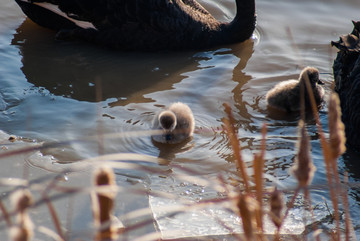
(55,91)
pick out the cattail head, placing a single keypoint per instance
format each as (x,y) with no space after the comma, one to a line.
(336,127)
(247,207)
(23,230)
(276,207)
(103,203)
(21,200)
(303,169)
(104,176)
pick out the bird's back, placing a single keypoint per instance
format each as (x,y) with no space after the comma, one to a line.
(139,24)
(284,96)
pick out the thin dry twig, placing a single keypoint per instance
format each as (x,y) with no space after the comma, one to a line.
(5,214)
(231,132)
(54,216)
(247,208)
(276,208)
(259,179)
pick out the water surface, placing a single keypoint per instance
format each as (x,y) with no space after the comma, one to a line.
(51,91)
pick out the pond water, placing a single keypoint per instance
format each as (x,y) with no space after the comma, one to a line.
(52,91)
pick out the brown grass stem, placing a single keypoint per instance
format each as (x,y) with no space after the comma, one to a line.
(308,200)
(50,233)
(259,179)
(290,205)
(54,216)
(349,229)
(246,210)
(5,214)
(236,147)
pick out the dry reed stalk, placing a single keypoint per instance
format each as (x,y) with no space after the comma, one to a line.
(303,168)
(337,144)
(50,233)
(349,229)
(54,216)
(276,208)
(247,207)
(234,141)
(314,223)
(23,230)
(336,128)
(259,179)
(103,204)
(331,168)
(336,136)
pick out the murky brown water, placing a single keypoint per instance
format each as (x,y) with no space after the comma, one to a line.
(48,93)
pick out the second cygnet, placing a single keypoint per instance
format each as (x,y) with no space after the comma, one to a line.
(176,124)
(286,95)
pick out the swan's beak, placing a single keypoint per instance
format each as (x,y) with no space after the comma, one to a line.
(320,82)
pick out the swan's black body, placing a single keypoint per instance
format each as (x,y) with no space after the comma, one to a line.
(347,83)
(143,24)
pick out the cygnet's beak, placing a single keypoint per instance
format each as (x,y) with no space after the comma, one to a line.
(320,82)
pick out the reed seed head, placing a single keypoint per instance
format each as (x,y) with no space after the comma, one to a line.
(21,200)
(23,230)
(303,168)
(104,176)
(336,127)
(276,207)
(104,203)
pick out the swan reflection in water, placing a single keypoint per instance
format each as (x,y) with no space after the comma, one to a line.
(71,69)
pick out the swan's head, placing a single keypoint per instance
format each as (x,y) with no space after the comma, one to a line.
(167,120)
(312,74)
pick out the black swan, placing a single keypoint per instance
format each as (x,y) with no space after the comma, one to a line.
(346,70)
(176,124)
(285,96)
(141,24)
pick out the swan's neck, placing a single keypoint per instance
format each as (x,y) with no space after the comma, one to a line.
(243,25)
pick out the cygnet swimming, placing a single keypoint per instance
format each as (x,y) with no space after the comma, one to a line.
(285,96)
(176,124)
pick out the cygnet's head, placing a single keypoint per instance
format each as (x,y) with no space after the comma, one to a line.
(167,120)
(312,74)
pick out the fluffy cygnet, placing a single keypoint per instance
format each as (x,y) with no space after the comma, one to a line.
(285,96)
(176,123)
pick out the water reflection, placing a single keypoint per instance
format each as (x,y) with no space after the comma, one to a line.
(167,152)
(352,166)
(70,69)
